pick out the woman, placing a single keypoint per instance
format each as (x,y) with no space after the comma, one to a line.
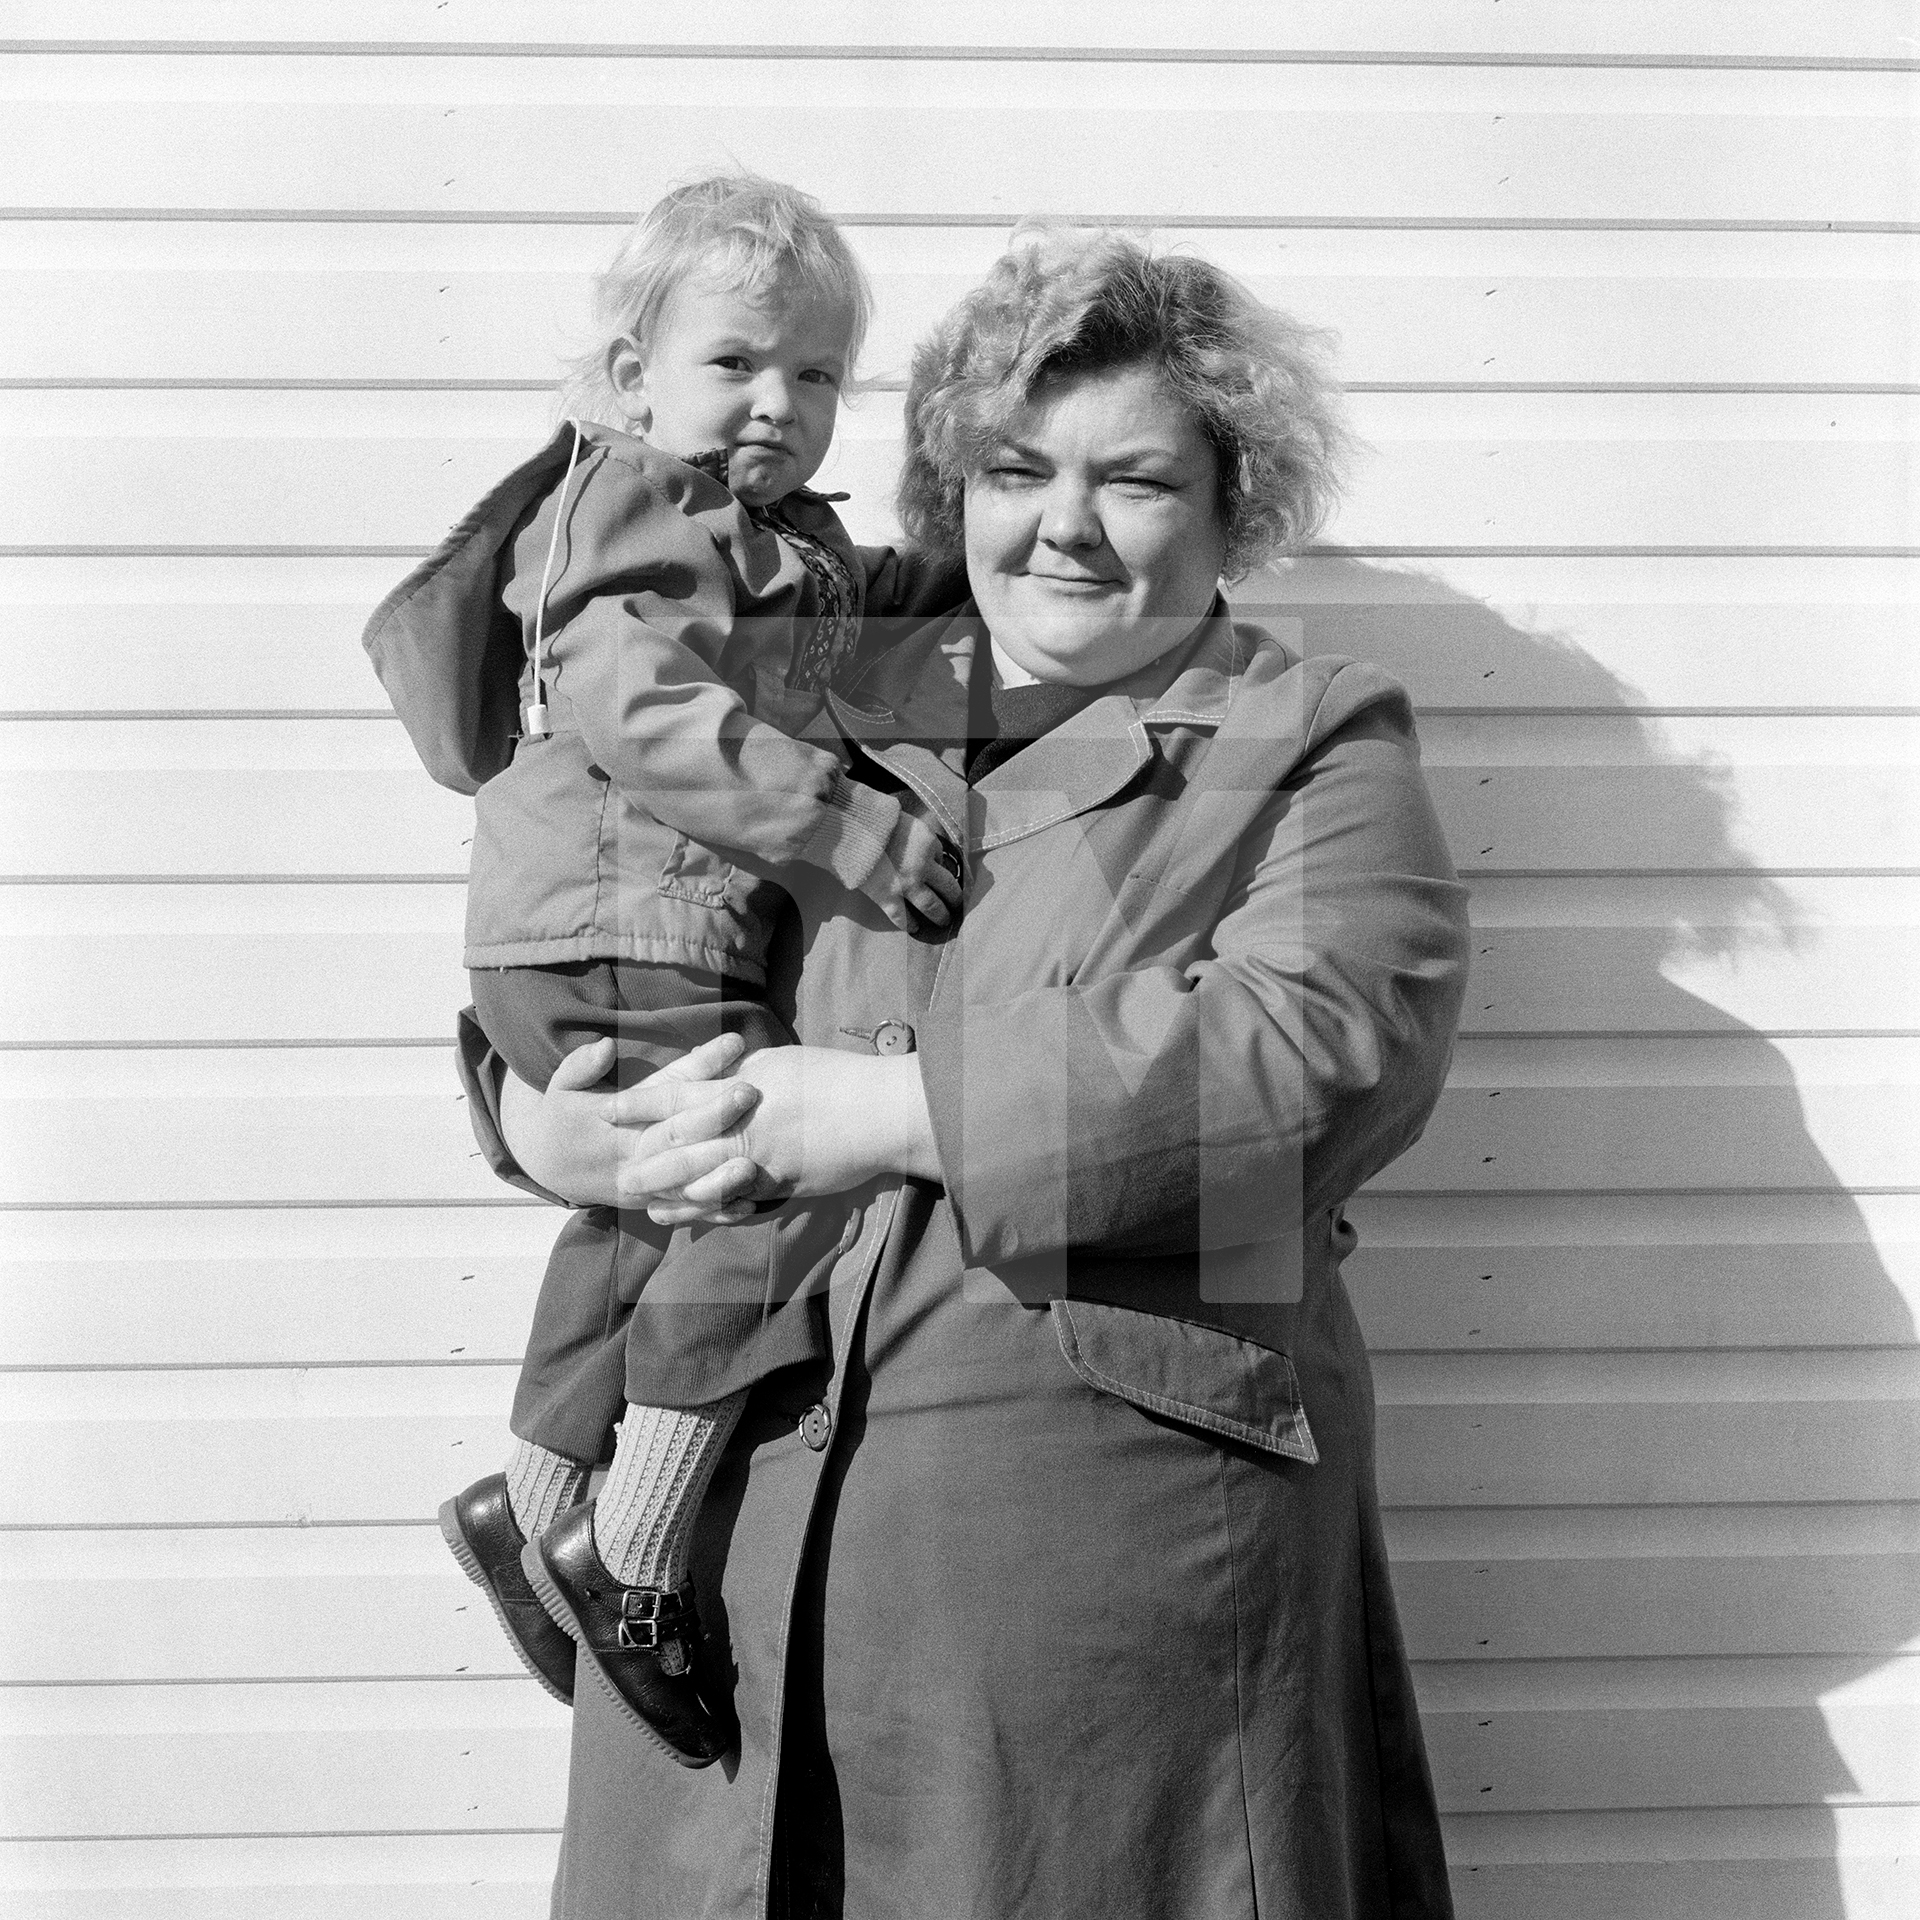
(1060,1591)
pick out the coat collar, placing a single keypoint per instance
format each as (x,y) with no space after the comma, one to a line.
(909,711)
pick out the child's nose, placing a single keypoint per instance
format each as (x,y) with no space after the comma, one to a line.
(773,397)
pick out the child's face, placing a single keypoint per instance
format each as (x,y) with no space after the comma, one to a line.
(761,378)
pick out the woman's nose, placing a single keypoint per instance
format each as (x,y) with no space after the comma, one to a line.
(1068,519)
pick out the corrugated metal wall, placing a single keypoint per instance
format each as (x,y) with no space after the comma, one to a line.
(1629,316)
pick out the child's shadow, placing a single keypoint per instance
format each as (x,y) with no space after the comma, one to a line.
(1767,1594)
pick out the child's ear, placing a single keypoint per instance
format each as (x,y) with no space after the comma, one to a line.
(627,375)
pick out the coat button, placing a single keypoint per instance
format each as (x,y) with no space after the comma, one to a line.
(816,1427)
(893,1036)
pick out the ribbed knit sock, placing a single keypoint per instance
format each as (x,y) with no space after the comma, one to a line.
(643,1518)
(541,1485)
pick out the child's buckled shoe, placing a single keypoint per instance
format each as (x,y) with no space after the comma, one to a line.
(642,1644)
(479,1527)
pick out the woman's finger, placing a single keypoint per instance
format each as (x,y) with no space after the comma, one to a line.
(682,1214)
(723,1195)
(688,1109)
(584,1067)
(658,1175)
(930,907)
(735,1182)
(711,1060)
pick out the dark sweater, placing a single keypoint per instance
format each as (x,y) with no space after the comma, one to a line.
(1002,720)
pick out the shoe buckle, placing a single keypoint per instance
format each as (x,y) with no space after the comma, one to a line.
(650,1623)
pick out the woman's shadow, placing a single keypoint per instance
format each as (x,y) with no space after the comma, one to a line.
(1731,1292)
(1661,1600)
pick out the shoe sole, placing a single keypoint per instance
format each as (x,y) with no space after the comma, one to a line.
(556,1604)
(470,1565)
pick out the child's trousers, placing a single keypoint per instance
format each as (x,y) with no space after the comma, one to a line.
(611,1326)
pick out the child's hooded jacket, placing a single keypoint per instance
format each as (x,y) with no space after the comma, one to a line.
(651,822)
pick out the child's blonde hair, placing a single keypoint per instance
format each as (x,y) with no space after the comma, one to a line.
(740,231)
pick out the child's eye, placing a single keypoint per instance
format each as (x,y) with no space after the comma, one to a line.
(733,362)
(820,376)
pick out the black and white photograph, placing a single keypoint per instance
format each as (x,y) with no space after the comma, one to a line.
(960,963)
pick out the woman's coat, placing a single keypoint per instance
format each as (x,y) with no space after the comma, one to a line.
(1061,1592)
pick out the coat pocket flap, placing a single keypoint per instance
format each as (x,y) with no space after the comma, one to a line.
(1197,1375)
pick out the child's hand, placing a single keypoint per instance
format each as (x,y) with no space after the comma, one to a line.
(918,876)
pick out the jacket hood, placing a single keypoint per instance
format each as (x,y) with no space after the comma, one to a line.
(447,652)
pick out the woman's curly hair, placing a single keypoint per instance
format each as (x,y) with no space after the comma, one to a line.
(1060,302)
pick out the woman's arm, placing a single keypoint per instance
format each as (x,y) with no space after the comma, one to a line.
(825,1122)
(580,1145)
(1212,1096)
(691,1145)
(796,1123)
(600,1147)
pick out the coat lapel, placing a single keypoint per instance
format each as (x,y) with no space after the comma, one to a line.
(908,710)
(1088,758)
(1102,749)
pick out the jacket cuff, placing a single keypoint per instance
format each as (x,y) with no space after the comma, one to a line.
(483,1073)
(1002,1116)
(856,825)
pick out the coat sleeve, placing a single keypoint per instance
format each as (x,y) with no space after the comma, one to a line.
(640,633)
(911,584)
(483,1073)
(1177,1108)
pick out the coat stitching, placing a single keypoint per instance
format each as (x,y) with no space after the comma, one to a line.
(1296,1442)
(1143,753)
(1239,1701)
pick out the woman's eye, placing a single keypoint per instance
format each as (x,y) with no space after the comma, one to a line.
(1007,474)
(1141,486)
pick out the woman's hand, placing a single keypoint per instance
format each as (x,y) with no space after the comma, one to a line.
(824,1121)
(601,1148)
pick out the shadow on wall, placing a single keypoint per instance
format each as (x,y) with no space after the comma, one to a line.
(1759,1539)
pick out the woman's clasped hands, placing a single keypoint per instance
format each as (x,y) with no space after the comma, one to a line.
(704,1140)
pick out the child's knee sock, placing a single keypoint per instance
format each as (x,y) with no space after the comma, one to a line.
(643,1519)
(541,1485)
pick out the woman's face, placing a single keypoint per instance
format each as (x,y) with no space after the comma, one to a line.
(1093,530)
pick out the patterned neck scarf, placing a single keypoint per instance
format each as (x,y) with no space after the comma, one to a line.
(819,652)
(822,648)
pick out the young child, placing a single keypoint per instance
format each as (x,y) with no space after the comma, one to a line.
(625,649)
